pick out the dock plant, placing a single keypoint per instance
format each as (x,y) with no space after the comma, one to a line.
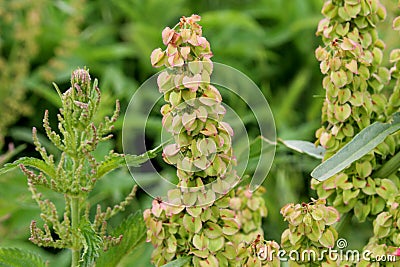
(206,217)
(357,95)
(361,96)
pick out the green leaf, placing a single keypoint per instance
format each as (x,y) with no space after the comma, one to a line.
(11,153)
(361,144)
(133,230)
(178,262)
(14,257)
(92,245)
(389,167)
(112,162)
(256,145)
(115,161)
(31,162)
(305,147)
(47,94)
(24,135)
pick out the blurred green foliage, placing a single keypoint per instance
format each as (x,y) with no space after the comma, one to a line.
(42,41)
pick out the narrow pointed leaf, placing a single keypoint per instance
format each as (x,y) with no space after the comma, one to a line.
(178,262)
(389,167)
(305,148)
(361,144)
(116,161)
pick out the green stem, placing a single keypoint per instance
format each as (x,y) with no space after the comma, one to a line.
(344,220)
(75,224)
(389,167)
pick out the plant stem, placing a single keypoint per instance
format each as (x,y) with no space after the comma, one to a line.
(75,224)
(344,220)
(389,167)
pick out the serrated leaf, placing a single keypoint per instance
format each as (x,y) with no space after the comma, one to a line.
(305,147)
(133,230)
(178,262)
(361,144)
(92,245)
(30,162)
(112,162)
(20,258)
(115,161)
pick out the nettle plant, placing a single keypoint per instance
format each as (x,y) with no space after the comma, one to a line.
(74,176)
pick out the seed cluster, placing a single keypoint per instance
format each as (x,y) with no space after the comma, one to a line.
(356,95)
(310,228)
(202,151)
(219,234)
(204,218)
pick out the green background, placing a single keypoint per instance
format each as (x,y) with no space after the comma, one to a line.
(42,41)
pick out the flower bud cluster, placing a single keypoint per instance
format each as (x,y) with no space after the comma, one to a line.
(203,217)
(310,227)
(354,83)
